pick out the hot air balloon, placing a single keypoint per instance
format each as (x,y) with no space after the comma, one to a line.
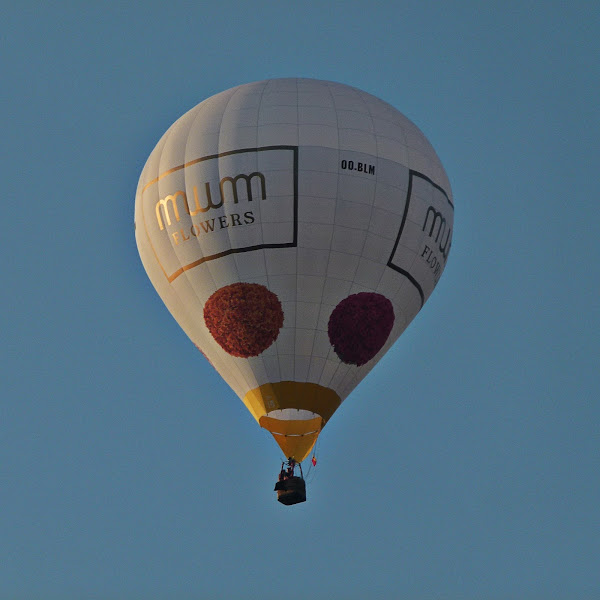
(293,228)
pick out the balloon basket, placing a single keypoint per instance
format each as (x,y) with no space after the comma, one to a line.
(291,491)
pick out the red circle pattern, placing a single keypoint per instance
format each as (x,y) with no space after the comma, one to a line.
(359,326)
(244,318)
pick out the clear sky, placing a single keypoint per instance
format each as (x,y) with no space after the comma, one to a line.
(119,464)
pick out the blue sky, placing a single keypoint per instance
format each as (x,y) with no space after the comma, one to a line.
(119,465)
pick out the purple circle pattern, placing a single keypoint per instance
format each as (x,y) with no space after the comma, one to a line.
(359,326)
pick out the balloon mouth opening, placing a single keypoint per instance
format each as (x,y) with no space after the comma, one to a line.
(292,400)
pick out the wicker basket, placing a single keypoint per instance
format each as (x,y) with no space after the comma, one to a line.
(291,491)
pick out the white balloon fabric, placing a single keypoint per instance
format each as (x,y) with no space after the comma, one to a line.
(293,228)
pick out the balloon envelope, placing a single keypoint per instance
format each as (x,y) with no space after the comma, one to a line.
(293,228)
